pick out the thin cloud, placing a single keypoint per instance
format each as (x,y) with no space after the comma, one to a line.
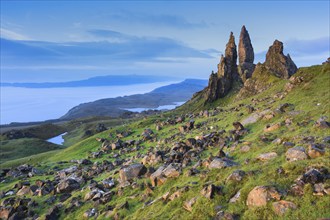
(308,47)
(159,20)
(8,34)
(127,49)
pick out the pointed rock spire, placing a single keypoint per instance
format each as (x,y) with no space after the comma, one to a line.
(245,49)
(228,65)
(221,83)
(231,51)
(282,66)
(245,55)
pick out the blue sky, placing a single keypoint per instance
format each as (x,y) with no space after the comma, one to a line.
(70,40)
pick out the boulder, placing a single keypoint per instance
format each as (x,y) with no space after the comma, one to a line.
(157,178)
(116,145)
(222,215)
(191,142)
(209,191)
(188,204)
(67,186)
(270,128)
(245,148)
(190,124)
(238,126)
(172,170)
(6,212)
(260,195)
(322,123)
(175,195)
(315,150)
(267,156)
(297,190)
(53,213)
(25,190)
(108,183)
(282,206)
(147,134)
(183,129)
(236,197)
(280,65)
(64,197)
(90,195)
(236,176)
(219,163)
(312,176)
(90,213)
(296,153)
(84,162)
(132,171)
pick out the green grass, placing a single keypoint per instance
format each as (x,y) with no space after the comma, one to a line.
(18,148)
(43,131)
(310,100)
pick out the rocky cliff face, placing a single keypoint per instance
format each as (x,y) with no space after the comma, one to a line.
(280,65)
(245,55)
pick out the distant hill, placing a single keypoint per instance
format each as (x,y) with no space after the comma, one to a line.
(166,95)
(111,80)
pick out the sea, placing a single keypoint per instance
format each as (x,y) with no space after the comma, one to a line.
(39,104)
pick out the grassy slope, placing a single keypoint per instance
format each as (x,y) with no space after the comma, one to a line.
(18,148)
(43,131)
(305,98)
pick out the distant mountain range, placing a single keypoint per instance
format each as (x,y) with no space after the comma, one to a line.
(111,80)
(166,95)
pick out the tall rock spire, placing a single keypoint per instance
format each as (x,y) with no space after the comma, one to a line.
(280,65)
(221,83)
(230,60)
(245,55)
(231,52)
(245,49)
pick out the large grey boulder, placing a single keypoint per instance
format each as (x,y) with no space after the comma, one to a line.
(132,171)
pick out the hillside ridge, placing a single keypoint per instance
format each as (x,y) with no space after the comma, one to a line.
(259,150)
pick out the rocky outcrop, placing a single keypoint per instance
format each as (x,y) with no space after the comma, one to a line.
(254,77)
(245,55)
(221,82)
(280,65)
(228,73)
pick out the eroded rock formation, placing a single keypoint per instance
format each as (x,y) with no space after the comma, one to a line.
(276,62)
(246,72)
(245,55)
(221,82)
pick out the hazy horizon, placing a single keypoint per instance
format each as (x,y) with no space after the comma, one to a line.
(46,41)
(61,41)
(39,104)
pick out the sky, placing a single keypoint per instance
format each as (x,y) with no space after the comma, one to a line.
(45,41)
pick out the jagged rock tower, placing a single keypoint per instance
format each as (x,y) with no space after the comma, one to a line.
(245,55)
(221,82)
(276,62)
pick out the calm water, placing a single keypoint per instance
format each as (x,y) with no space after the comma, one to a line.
(58,139)
(26,104)
(162,107)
